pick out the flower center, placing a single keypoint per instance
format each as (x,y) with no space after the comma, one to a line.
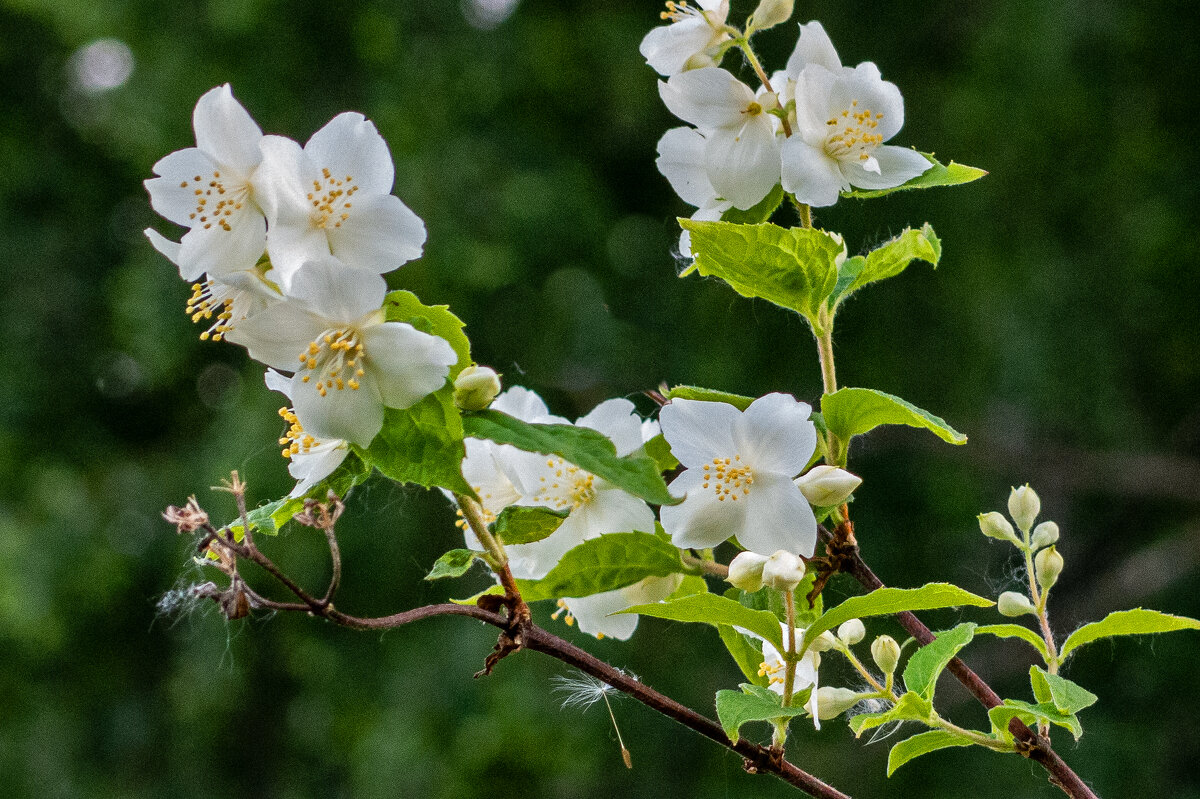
(774,672)
(569,487)
(295,441)
(852,133)
(677,12)
(331,200)
(216,200)
(728,477)
(335,358)
(211,299)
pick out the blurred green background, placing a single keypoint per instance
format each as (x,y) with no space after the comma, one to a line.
(1060,333)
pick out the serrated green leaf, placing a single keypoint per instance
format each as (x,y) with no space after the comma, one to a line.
(422,444)
(1068,697)
(454,563)
(887,260)
(716,610)
(794,268)
(710,395)
(745,654)
(690,584)
(606,563)
(1015,631)
(853,411)
(922,744)
(735,708)
(923,668)
(403,306)
(659,451)
(1031,714)
(889,601)
(760,212)
(1138,621)
(519,524)
(910,707)
(951,174)
(586,448)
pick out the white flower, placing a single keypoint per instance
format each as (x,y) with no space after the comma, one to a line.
(774,669)
(350,362)
(310,459)
(690,37)
(842,119)
(208,188)
(741,156)
(681,160)
(813,47)
(334,197)
(783,571)
(593,613)
(739,470)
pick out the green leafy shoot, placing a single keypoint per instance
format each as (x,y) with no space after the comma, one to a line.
(1015,631)
(887,260)
(850,412)
(753,703)
(716,610)
(518,524)
(1138,621)
(922,744)
(1066,696)
(951,174)
(1031,714)
(606,563)
(923,668)
(911,707)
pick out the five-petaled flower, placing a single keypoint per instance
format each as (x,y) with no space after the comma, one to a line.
(694,35)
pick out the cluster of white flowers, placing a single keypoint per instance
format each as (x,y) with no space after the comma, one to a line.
(287,246)
(816,127)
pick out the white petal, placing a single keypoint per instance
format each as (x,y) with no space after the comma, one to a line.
(380,234)
(617,419)
(810,174)
(651,589)
(708,97)
(408,364)
(699,431)
(170,199)
(522,403)
(743,163)
(897,165)
(226,131)
(681,160)
(613,511)
(349,146)
(165,246)
(336,292)
(218,251)
(277,382)
(534,561)
(482,473)
(667,48)
(813,88)
(777,517)
(276,336)
(282,182)
(592,615)
(813,47)
(701,520)
(774,434)
(864,86)
(315,465)
(290,247)
(351,415)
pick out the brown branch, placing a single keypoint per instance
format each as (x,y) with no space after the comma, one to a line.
(1029,743)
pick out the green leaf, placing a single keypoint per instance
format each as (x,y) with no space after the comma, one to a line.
(910,707)
(716,610)
(1015,631)
(922,744)
(747,656)
(1126,622)
(889,601)
(772,600)
(760,212)
(888,260)
(951,174)
(491,590)
(454,563)
(1031,714)
(518,524)
(795,268)
(403,306)
(690,584)
(852,411)
(735,708)
(605,564)
(586,448)
(659,451)
(422,444)
(923,668)
(710,395)
(1066,696)
(270,517)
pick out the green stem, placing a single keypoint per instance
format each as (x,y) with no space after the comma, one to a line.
(789,672)
(824,335)
(744,43)
(497,557)
(971,735)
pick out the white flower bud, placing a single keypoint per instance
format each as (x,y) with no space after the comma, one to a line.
(772,12)
(1024,506)
(746,571)
(825,486)
(994,525)
(1047,566)
(1013,604)
(833,702)
(886,653)
(823,642)
(783,571)
(851,632)
(476,387)
(1045,534)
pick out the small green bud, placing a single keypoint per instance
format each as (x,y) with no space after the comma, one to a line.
(851,632)
(771,12)
(1013,604)
(886,653)
(746,571)
(823,642)
(832,702)
(476,387)
(825,486)
(783,571)
(1047,566)
(994,525)
(1024,507)
(1044,535)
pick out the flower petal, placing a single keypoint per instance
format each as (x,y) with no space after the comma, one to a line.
(707,98)
(334,291)
(170,199)
(897,165)
(347,414)
(774,434)
(667,48)
(315,465)
(522,403)
(698,431)
(220,251)
(777,516)
(591,613)
(743,162)
(408,364)
(810,174)
(701,520)
(534,561)
(277,382)
(226,131)
(618,420)
(681,160)
(863,89)
(166,247)
(278,334)
(613,511)
(380,234)
(350,147)
(813,47)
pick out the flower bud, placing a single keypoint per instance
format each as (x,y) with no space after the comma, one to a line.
(994,525)
(886,653)
(783,571)
(833,702)
(825,486)
(1045,534)
(1024,506)
(823,642)
(851,632)
(746,571)
(772,12)
(476,387)
(1013,604)
(1047,566)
